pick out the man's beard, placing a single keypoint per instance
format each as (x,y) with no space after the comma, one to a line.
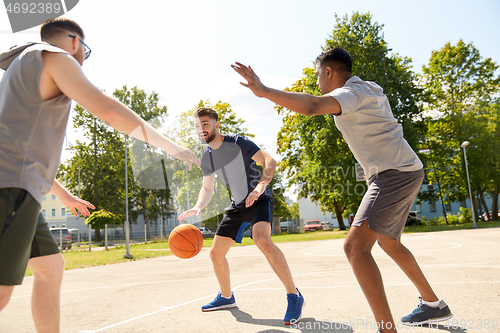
(210,138)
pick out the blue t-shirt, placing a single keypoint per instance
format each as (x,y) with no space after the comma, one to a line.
(232,162)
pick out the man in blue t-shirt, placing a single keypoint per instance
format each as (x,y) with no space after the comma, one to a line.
(234,158)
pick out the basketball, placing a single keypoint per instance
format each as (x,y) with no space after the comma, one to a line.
(185,241)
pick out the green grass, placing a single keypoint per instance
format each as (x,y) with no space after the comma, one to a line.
(81,259)
(445,227)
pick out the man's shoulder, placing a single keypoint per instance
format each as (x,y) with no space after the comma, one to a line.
(357,83)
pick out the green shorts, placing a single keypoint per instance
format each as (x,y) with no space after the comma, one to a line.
(24,234)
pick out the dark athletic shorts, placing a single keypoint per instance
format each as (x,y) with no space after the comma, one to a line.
(234,224)
(24,234)
(388,201)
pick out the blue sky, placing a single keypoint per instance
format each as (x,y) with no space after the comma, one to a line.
(183,49)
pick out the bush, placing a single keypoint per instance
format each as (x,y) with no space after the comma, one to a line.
(435,221)
(465,215)
(452,219)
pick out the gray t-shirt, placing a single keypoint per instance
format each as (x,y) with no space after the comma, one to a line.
(31,130)
(232,162)
(373,134)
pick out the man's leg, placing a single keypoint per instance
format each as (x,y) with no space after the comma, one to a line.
(220,247)
(357,246)
(5,294)
(45,298)
(406,261)
(261,235)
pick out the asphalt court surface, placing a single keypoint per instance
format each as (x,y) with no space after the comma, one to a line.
(165,294)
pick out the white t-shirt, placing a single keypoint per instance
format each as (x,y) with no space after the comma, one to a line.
(373,134)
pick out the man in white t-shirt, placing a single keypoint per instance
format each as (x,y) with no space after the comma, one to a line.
(393,170)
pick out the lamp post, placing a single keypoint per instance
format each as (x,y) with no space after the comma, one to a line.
(127,255)
(187,188)
(463,145)
(77,211)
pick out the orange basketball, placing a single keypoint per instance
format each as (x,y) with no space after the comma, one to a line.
(185,241)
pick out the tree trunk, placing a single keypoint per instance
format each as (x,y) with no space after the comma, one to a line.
(338,214)
(494,202)
(476,206)
(483,203)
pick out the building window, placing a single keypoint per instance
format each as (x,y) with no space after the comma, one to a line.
(432,206)
(63,211)
(44,197)
(418,206)
(53,197)
(447,206)
(52,212)
(463,204)
(44,213)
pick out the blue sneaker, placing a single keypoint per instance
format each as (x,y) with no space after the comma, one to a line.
(294,309)
(424,314)
(220,303)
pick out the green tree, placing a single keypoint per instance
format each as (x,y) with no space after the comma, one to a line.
(278,190)
(150,191)
(294,210)
(98,219)
(101,162)
(462,98)
(315,156)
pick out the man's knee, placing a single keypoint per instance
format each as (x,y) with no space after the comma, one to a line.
(389,245)
(5,294)
(263,243)
(348,247)
(353,248)
(216,254)
(48,267)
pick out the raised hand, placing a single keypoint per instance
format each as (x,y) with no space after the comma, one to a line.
(253,81)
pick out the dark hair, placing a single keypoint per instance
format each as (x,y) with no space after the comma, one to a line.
(337,58)
(202,112)
(54,27)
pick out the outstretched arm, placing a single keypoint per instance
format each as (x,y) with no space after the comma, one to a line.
(70,200)
(305,104)
(268,169)
(206,193)
(67,74)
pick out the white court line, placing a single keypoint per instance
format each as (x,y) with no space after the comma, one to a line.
(270,279)
(316,254)
(138,284)
(146,315)
(385,285)
(178,305)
